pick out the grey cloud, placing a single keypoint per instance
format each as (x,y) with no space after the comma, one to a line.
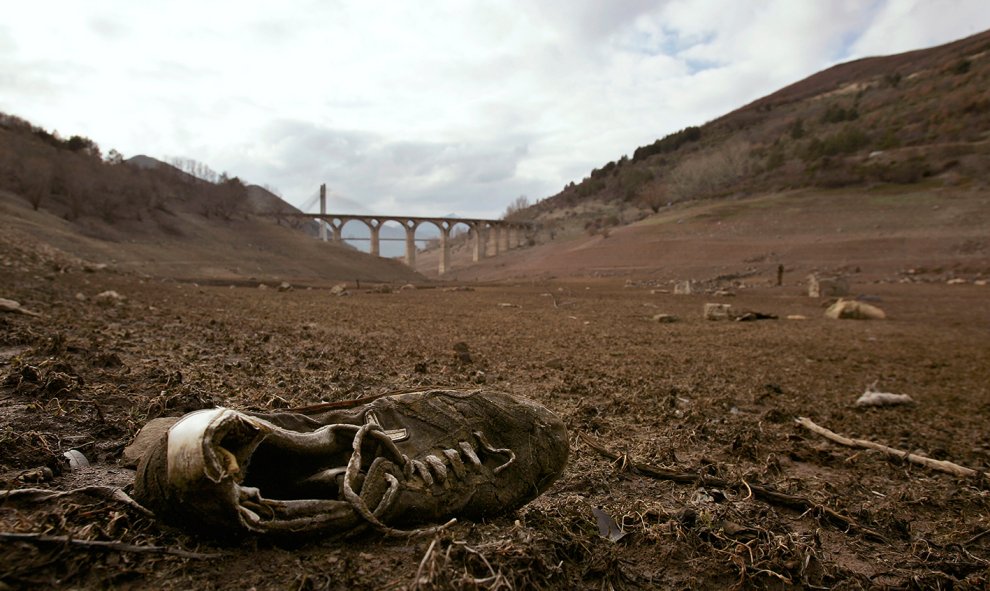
(425,177)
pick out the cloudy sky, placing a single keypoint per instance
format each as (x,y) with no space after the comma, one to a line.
(429,107)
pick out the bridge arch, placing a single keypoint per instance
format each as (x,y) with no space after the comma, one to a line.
(503,234)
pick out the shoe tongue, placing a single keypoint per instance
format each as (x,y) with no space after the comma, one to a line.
(376,484)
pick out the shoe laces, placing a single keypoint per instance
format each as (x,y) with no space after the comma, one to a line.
(431,469)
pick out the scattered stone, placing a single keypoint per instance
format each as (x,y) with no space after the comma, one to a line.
(796,317)
(659,291)
(94,267)
(725,293)
(508,305)
(956,281)
(555,364)
(458,288)
(717,311)
(262,286)
(36,475)
(665,318)
(827,287)
(683,288)
(339,290)
(80,296)
(109,298)
(853,310)
(980,282)
(147,437)
(285,286)
(873,398)
(407,287)
(76,459)
(15,307)
(462,352)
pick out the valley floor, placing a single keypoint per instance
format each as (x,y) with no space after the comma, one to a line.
(717,400)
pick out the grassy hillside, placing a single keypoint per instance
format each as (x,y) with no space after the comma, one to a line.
(901,120)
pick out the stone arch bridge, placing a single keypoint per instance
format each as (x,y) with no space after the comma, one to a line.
(506,234)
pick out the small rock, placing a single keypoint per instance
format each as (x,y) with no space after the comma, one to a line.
(827,287)
(76,459)
(956,281)
(94,267)
(42,474)
(462,352)
(853,310)
(683,288)
(262,286)
(109,298)
(873,398)
(285,286)
(555,364)
(407,287)
(15,307)
(980,282)
(508,305)
(725,293)
(717,311)
(796,317)
(665,318)
(80,296)
(339,290)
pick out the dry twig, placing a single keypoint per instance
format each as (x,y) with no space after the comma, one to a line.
(940,465)
(102,545)
(761,492)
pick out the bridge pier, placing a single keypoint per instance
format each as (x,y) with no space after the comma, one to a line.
(444,248)
(411,226)
(479,241)
(375,226)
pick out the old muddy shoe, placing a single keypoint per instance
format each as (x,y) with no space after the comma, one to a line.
(396,462)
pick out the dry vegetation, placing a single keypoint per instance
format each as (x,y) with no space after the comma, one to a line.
(901,119)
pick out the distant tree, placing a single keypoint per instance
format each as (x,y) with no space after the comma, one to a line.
(36,181)
(114,157)
(513,209)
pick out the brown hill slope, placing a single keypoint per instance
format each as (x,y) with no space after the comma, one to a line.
(62,199)
(884,233)
(858,165)
(898,119)
(186,245)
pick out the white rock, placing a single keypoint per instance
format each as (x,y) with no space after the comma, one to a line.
(874,398)
(853,310)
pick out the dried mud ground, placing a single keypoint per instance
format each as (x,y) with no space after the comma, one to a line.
(712,402)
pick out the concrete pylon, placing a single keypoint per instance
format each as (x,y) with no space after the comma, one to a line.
(479,241)
(503,238)
(374,226)
(496,239)
(444,250)
(338,231)
(411,242)
(323,211)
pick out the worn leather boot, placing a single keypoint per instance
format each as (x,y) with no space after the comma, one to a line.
(398,461)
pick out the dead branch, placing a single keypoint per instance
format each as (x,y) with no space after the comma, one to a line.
(102,545)
(940,465)
(759,491)
(38,495)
